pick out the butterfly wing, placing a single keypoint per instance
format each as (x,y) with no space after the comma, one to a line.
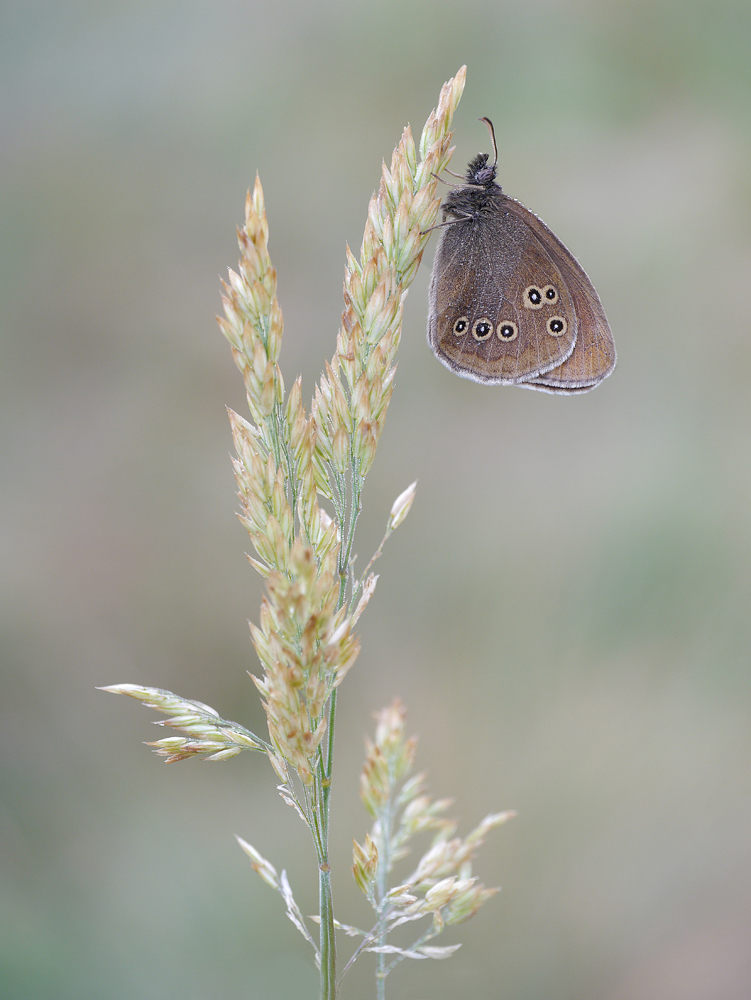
(500,311)
(594,355)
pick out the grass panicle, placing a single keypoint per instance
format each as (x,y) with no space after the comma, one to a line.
(300,475)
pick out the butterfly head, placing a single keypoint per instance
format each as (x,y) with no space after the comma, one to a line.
(479,172)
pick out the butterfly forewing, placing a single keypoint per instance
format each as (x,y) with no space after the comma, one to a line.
(500,311)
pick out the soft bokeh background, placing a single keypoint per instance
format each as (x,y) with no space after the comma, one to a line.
(566,610)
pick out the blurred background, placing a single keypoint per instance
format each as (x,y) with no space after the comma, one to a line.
(566,610)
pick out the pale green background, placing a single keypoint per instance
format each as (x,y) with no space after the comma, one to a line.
(566,612)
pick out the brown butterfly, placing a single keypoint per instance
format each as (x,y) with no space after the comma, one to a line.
(509,304)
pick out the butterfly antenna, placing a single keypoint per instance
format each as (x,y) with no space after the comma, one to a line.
(492,138)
